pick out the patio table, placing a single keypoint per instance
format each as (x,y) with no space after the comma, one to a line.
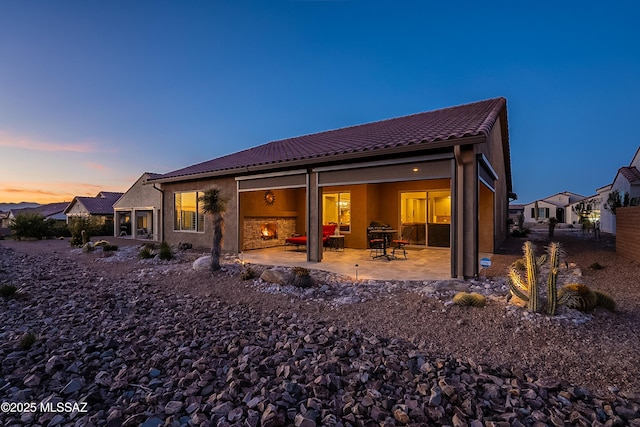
(386,233)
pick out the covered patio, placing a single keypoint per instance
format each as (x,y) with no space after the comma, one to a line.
(421,264)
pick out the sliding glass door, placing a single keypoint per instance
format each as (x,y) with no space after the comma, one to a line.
(425,217)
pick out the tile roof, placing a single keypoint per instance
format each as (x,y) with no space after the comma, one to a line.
(448,124)
(99,205)
(631,173)
(47,210)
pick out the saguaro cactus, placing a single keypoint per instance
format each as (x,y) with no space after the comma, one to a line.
(552,280)
(528,290)
(532,275)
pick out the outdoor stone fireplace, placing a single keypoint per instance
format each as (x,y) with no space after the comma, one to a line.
(266,232)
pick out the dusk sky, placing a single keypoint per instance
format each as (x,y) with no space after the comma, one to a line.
(93,94)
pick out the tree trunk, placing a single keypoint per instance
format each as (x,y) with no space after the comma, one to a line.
(216,248)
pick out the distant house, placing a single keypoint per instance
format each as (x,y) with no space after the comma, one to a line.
(515,210)
(626,183)
(138,211)
(54,211)
(99,207)
(557,206)
(440,179)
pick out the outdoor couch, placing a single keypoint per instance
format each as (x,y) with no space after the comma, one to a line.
(297,241)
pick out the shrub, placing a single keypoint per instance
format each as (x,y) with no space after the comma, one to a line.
(27,341)
(106,245)
(76,226)
(145,253)
(166,253)
(248,273)
(8,291)
(596,266)
(30,225)
(473,299)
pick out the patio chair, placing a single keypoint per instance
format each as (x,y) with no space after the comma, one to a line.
(377,248)
(401,242)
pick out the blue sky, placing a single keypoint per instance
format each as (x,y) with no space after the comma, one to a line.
(93,94)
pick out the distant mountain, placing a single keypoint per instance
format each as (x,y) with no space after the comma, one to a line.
(8,206)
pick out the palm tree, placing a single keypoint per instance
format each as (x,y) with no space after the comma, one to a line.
(214,203)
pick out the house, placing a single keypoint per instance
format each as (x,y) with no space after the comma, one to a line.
(556,206)
(51,211)
(138,211)
(627,184)
(99,207)
(515,210)
(440,178)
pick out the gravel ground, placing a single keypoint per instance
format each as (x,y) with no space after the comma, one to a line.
(153,343)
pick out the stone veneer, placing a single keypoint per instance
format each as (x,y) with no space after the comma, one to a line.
(252,239)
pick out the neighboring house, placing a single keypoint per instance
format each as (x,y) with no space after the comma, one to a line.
(99,207)
(54,211)
(4,224)
(441,178)
(515,210)
(588,208)
(607,219)
(557,206)
(626,181)
(137,212)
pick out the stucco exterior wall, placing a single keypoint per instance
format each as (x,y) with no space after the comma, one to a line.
(607,219)
(203,239)
(628,232)
(77,209)
(140,196)
(494,152)
(541,204)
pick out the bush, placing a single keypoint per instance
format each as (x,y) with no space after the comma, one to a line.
(145,253)
(166,253)
(248,273)
(79,224)
(31,225)
(106,245)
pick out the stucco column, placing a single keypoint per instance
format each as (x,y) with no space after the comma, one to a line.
(466,215)
(314,242)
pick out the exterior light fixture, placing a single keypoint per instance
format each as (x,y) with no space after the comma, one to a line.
(415,169)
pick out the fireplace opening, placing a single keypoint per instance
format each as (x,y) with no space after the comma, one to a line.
(268,231)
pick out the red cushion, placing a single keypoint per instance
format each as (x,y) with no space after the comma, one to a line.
(300,240)
(328,230)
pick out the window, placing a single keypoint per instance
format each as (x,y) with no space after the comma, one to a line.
(188,215)
(542,213)
(336,209)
